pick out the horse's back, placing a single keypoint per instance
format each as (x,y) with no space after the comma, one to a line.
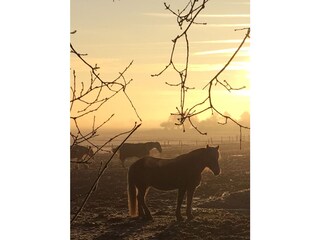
(133,150)
(149,163)
(163,174)
(78,151)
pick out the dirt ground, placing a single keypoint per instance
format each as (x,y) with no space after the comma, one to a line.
(221,204)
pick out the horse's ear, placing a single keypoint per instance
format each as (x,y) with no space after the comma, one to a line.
(217,147)
(207,145)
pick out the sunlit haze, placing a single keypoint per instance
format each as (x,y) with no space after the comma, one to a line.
(113,33)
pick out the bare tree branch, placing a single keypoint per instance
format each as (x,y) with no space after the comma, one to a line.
(95,184)
(86,99)
(188,15)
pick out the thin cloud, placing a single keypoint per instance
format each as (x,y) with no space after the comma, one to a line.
(233,25)
(237,3)
(221,51)
(221,41)
(166,15)
(225,15)
(234,66)
(158,14)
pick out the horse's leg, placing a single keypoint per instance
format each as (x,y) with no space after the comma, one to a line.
(181,194)
(141,199)
(190,192)
(86,164)
(122,158)
(78,164)
(122,163)
(145,207)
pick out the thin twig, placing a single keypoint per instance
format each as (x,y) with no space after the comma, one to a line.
(93,187)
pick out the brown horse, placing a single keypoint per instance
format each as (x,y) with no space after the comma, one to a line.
(81,153)
(136,150)
(182,173)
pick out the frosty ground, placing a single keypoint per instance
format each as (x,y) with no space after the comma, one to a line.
(221,204)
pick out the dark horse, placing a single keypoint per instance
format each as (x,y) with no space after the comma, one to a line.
(79,152)
(137,150)
(182,173)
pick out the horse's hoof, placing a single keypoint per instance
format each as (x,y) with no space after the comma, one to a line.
(179,219)
(149,218)
(190,217)
(145,218)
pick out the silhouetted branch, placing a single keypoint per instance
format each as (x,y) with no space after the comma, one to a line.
(86,99)
(95,184)
(192,10)
(188,15)
(232,57)
(227,86)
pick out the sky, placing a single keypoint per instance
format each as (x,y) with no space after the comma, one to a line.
(115,33)
(284,118)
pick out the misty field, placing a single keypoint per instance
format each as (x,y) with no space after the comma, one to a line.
(221,204)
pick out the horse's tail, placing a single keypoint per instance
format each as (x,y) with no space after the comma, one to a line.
(132,194)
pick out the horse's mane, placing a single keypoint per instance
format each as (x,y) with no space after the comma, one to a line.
(143,143)
(195,152)
(152,143)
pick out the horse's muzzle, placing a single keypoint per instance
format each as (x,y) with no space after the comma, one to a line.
(217,172)
(215,169)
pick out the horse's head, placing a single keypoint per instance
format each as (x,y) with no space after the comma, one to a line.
(90,151)
(158,146)
(213,155)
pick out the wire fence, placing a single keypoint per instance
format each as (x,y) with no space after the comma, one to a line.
(166,142)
